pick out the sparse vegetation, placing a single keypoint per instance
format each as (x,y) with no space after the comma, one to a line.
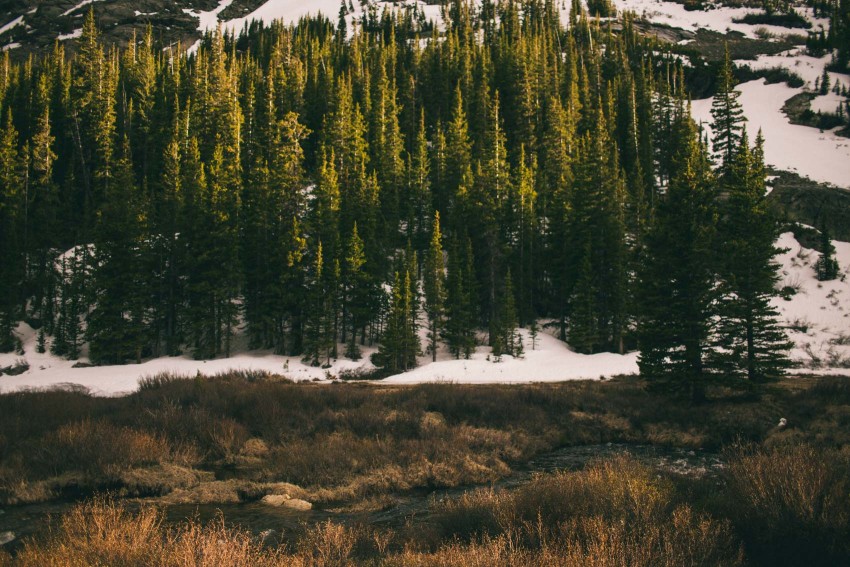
(789,19)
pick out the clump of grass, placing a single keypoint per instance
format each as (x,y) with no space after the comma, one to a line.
(792,504)
(105,532)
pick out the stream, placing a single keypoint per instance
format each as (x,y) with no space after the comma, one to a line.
(259,518)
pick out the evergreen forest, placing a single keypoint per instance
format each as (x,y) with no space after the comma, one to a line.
(326,186)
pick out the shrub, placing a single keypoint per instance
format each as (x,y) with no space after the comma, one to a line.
(100,448)
(792,504)
(614,512)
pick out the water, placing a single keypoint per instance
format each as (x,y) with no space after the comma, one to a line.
(258,517)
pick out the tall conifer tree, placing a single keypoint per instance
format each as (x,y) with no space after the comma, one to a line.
(751,339)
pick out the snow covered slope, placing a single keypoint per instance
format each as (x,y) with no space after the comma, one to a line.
(820,156)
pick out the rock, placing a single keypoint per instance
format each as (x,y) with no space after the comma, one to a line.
(297,504)
(285,501)
(275,499)
(7,537)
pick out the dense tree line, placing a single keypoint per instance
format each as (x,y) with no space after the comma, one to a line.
(329,188)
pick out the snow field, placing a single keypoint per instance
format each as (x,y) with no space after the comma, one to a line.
(820,156)
(818,315)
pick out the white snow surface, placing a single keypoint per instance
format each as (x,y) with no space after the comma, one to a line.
(77,7)
(821,156)
(551,361)
(47,370)
(809,68)
(819,313)
(717,19)
(73,35)
(290,11)
(828,103)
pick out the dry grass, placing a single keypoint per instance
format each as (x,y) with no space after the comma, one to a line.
(632,521)
(793,504)
(615,512)
(103,532)
(351,446)
(356,442)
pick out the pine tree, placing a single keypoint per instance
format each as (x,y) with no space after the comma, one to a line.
(117,326)
(12,210)
(727,116)
(73,274)
(523,237)
(533,332)
(598,231)
(508,338)
(458,158)
(399,343)
(826,268)
(824,82)
(167,248)
(42,231)
(319,317)
(419,190)
(358,295)
(487,203)
(434,284)
(461,299)
(751,339)
(584,333)
(676,284)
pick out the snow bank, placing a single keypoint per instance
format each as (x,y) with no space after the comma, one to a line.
(828,103)
(551,361)
(46,370)
(16,22)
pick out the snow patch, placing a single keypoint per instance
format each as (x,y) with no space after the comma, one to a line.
(807,67)
(73,35)
(70,11)
(551,361)
(828,103)
(16,22)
